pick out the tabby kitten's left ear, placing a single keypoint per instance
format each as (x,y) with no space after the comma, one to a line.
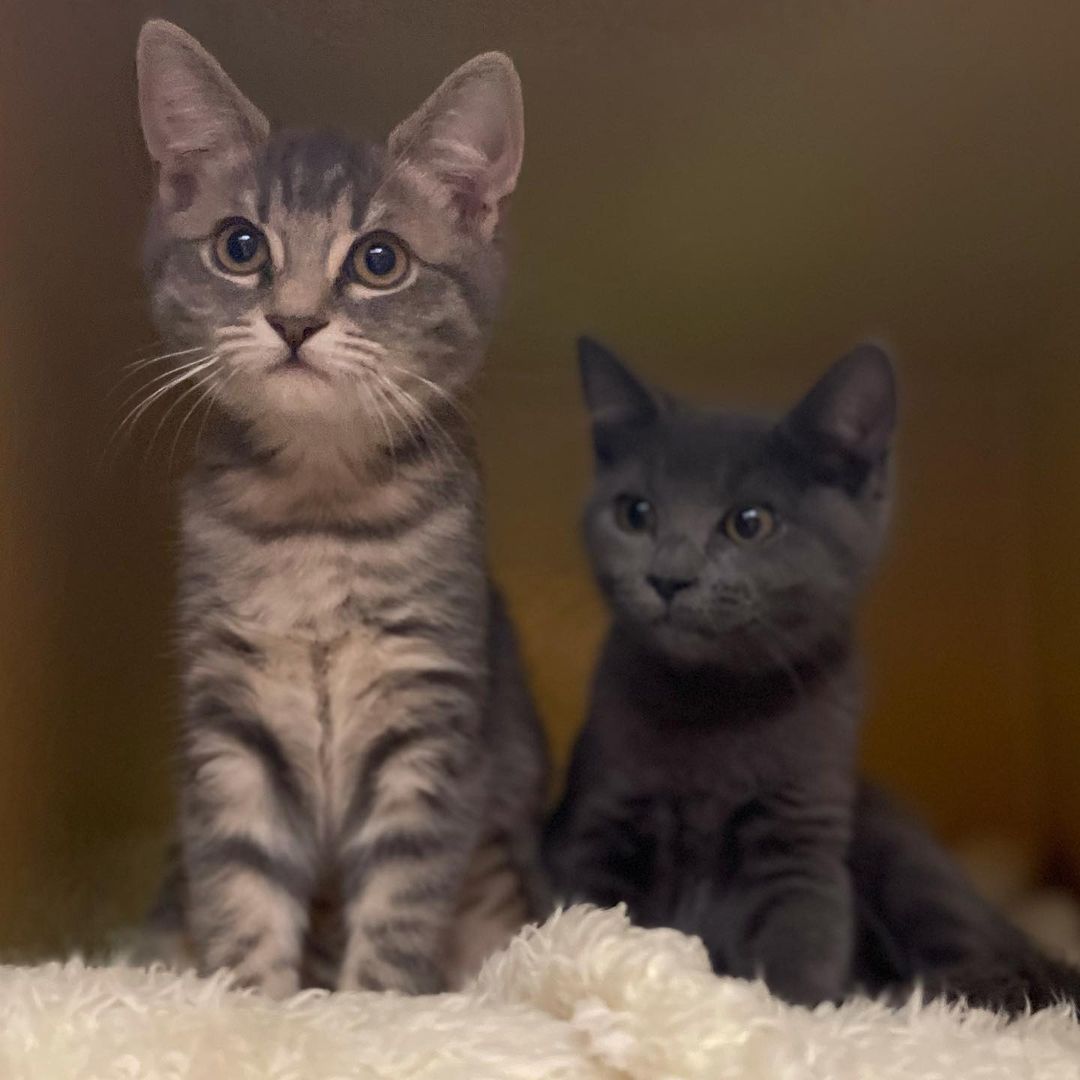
(468,139)
(847,419)
(195,121)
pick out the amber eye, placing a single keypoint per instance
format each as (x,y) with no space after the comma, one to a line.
(240,247)
(748,524)
(378,261)
(634,514)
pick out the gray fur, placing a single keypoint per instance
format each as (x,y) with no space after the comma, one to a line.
(357,732)
(713,787)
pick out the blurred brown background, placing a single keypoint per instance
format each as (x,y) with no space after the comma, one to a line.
(729,192)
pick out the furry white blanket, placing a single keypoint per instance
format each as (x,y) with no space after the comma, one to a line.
(584,997)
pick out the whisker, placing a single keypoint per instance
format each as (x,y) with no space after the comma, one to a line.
(136,364)
(351,336)
(215,394)
(445,394)
(193,389)
(163,376)
(210,379)
(425,417)
(402,418)
(391,448)
(131,370)
(138,411)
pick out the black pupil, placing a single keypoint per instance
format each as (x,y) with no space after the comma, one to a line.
(380,259)
(637,514)
(242,245)
(748,523)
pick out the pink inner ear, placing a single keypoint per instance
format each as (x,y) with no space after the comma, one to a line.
(466,197)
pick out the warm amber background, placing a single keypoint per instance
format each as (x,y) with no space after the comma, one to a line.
(729,192)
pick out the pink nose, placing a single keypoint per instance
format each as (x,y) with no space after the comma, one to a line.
(294,330)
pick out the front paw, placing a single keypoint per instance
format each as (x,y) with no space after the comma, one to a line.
(807,986)
(278,981)
(402,973)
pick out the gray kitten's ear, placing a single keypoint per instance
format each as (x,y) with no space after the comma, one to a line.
(618,402)
(850,413)
(468,138)
(193,116)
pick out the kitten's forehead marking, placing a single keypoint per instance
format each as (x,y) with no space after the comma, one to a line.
(308,246)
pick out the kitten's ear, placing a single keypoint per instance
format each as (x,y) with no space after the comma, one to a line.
(468,138)
(618,402)
(193,116)
(850,413)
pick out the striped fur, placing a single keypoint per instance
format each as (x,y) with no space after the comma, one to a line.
(362,769)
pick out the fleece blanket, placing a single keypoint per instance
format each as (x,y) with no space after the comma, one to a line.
(586,996)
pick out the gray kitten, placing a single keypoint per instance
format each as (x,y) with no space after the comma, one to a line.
(713,787)
(362,770)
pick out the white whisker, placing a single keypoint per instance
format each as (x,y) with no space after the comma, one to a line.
(132,418)
(214,395)
(208,392)
(163,376)
(137,364)
(378,413)
(193,389)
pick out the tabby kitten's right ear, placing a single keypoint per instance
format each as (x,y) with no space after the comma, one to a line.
(620,405)
(195,121)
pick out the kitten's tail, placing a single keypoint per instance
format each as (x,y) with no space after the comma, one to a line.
(928,926)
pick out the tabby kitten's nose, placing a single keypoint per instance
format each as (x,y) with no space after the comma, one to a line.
(667,587)
(294,330)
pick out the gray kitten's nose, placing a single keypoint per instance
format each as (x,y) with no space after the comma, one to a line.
(294,330)
(667,587)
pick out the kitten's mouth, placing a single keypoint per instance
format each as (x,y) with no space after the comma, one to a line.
(297,365)
(673,621)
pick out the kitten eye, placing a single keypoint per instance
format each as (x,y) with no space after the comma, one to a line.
(378,261)
(634,514)
(240,248)
(748,524)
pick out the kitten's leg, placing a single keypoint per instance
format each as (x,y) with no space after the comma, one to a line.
(599,849)
(411,831)
(247,844)
(947,937)
(494,906)
(792,899)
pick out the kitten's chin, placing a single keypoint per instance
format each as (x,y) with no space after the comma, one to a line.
(295,394)
(683,648)
(683,644)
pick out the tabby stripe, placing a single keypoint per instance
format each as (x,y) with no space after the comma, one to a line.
(398,927)
(465,683)
(232,642)
(255,737)
(242,948)
(411,626)
(416,964)
(387,529)
(460,279)
(392,846)
(431,890)
(383,749)
(237,851)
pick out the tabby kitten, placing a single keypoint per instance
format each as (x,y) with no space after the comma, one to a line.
(713,788)
(363,772)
